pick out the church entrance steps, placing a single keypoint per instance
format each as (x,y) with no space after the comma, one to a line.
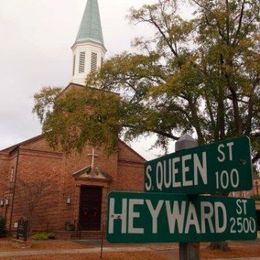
(78,235)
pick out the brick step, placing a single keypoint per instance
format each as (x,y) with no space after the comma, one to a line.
(85,235)
(81,235)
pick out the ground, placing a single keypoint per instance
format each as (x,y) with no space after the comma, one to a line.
(79,250)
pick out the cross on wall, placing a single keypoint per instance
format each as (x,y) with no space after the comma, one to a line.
(93,156)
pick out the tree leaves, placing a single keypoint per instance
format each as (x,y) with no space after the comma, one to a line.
(199,76)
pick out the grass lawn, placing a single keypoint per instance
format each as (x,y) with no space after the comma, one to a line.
(10,245)
(238,249)
(110,256)
(156,251)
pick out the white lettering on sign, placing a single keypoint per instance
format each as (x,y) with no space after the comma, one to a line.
(230,145)
(241,207)
(175,214)
(175,171)
(148,185)
(159,175)
(167,183)
(132,214)
(200,168)
(154,213)
(192,219)
(178,172)
(207,169)
(222,153)
(181,216)
(122,216)
(243,224)
(219,206)
(225,179)
(222,157)
(207,212)
(186,170)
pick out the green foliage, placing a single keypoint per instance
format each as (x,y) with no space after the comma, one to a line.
(81,118)
(43,236)
(200,76)
(2,226)
(44,102)
(40,236)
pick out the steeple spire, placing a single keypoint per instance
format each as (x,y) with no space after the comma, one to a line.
(90,27)
(88,50)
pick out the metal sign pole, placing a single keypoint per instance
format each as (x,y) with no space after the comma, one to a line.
(187,251)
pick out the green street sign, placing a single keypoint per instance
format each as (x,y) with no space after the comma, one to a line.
(219,167)
(158,217)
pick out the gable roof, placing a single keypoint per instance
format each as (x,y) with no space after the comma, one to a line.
(13,147)
(38,137)
(79,86)
(132,150)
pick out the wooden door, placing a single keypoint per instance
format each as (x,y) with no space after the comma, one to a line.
(90,208)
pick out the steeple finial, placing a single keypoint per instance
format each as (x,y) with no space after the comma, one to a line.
(90,27)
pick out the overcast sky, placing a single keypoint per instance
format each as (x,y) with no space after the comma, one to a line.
(36,37)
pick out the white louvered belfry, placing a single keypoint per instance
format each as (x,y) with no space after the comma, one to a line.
(88,50)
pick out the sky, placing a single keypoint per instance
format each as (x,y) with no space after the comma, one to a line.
(36,37)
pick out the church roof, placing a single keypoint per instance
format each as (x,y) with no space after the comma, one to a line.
(90,27)
(13,147)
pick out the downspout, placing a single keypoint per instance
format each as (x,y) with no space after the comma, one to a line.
(13,197)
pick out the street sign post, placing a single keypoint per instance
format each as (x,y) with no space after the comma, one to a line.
(219,167)
(158,217)
(187,251)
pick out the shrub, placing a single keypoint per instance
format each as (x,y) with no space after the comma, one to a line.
(43,236)
(40,236)
(2,226)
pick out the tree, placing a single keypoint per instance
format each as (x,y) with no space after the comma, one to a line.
(80,116)
(199,76)
(32,192)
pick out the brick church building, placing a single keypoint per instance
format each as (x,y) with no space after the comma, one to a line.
(59,192)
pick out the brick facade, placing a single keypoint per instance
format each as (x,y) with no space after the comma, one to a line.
(36,179)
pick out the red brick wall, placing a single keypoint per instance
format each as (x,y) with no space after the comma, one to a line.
(37,162)
(7,186)
(38,167)
(131,170)
(4,179)
(76,162)
(40,144)
(131,177)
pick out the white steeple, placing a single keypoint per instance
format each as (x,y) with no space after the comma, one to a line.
(88,49)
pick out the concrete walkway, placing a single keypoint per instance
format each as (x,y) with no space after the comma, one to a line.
(170,252)
(74,251)
(244,258)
